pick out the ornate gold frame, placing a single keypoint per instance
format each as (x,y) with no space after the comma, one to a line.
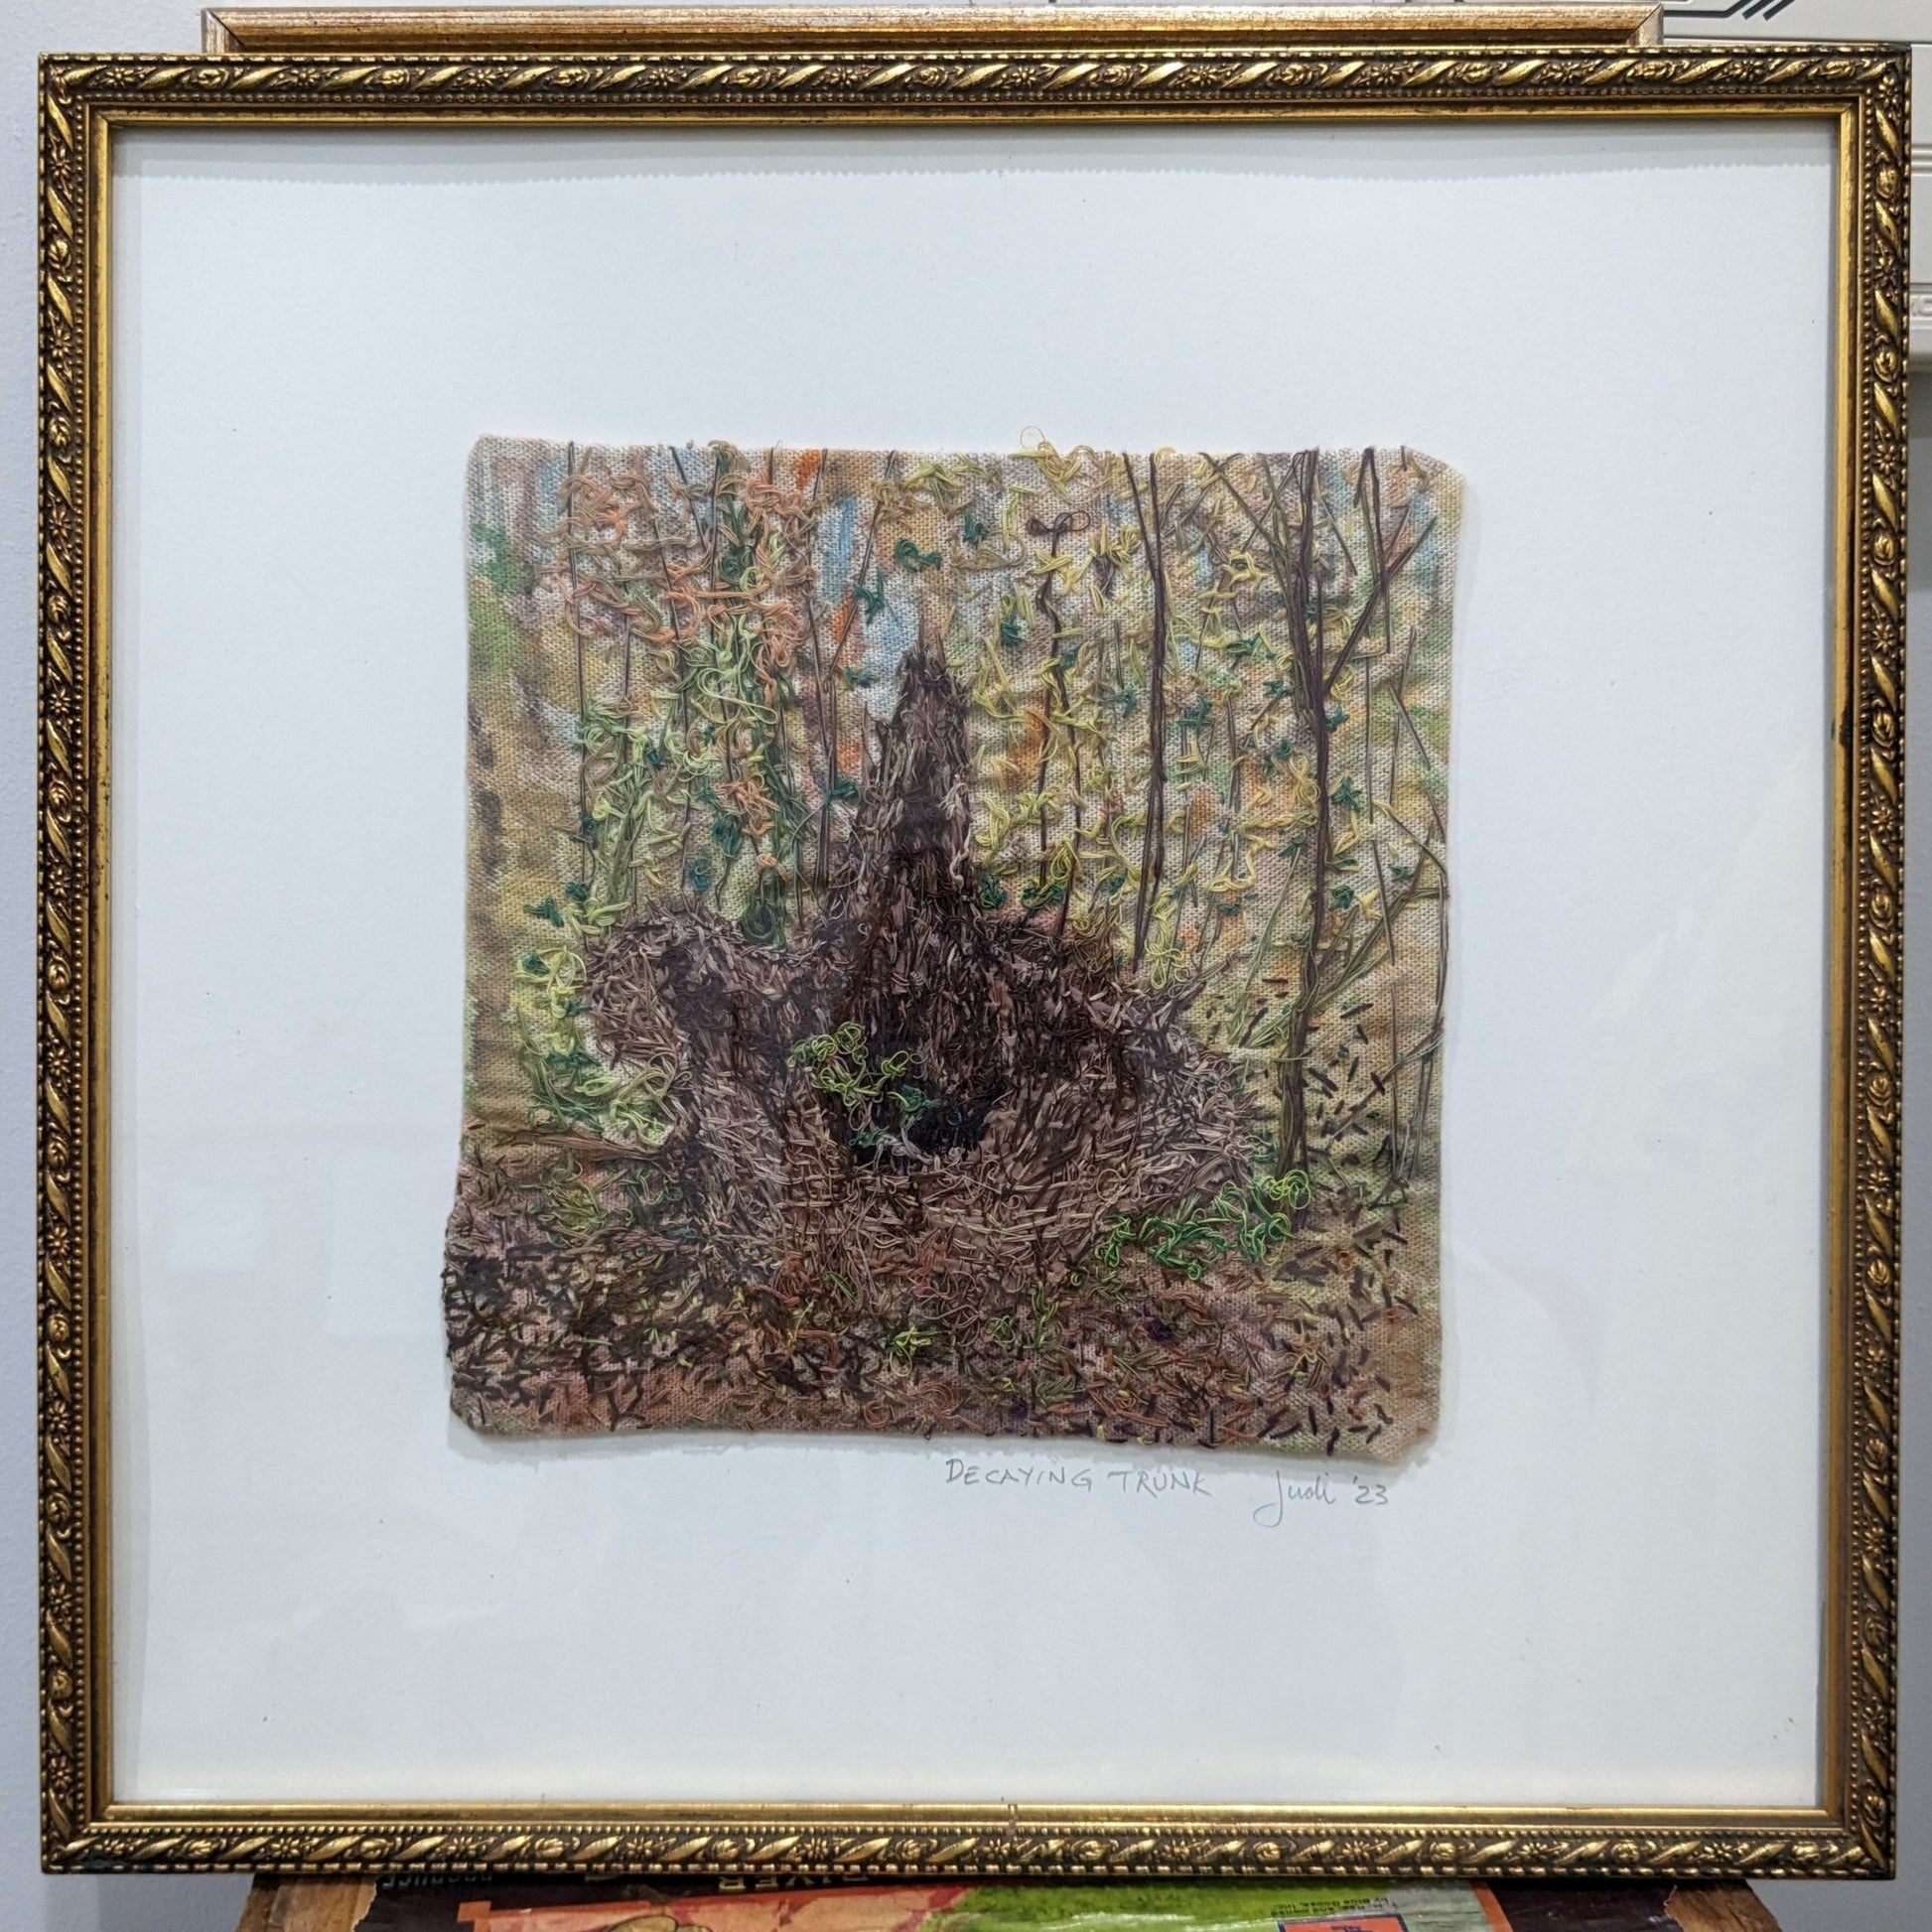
(445,69)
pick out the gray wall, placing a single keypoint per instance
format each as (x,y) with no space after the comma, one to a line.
(30,1902)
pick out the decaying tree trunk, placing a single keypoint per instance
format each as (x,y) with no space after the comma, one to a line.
(941,1085)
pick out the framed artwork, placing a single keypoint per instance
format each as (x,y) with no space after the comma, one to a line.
(970,945)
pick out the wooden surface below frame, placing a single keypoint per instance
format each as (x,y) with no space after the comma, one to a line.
(343,1904)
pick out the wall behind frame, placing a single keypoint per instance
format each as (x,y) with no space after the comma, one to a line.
(35,1903)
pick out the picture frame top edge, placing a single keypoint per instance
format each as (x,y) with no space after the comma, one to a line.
(585,29)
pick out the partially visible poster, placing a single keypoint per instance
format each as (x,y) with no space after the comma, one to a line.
(1179,1907)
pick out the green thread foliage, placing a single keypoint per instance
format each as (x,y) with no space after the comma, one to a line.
(908,1343)
(1012,621)
(871,598)
(1251,1217)
(839,1065)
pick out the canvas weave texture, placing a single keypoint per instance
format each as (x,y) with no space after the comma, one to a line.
(957,943)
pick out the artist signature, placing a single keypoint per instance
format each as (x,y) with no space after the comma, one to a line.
(1321,1490)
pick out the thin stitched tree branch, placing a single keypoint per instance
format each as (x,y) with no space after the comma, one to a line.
(586,856)
(1368,497)
(1153,836)
(1301,578)
(825,687)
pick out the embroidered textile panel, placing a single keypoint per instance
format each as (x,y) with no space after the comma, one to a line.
(957,943)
